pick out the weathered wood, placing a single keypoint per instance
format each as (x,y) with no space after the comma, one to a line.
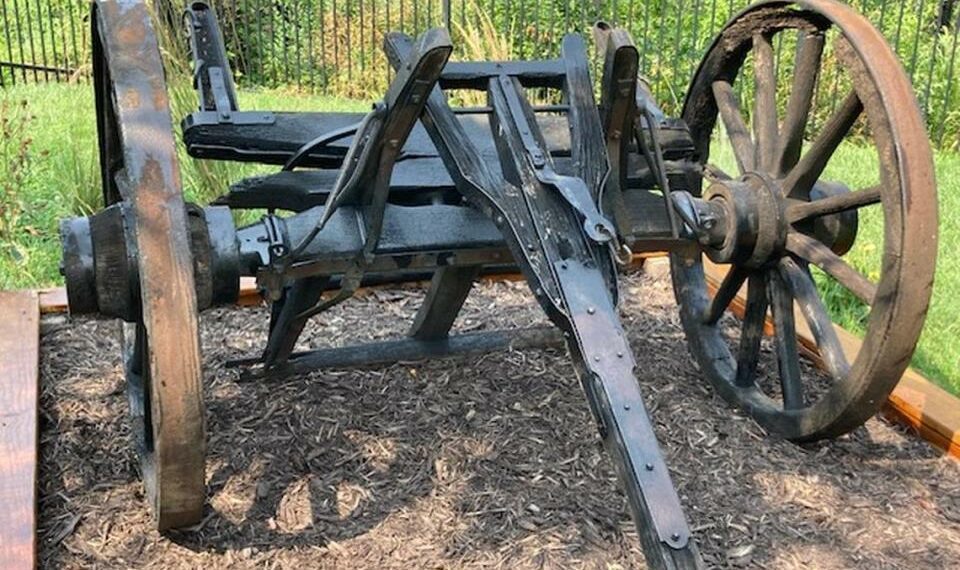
(164,371)
(410,349)
(19,384)
(275,143)
(448,291)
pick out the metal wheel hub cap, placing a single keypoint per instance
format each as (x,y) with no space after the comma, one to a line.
(752,228)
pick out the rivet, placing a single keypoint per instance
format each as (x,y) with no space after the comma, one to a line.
(626,406)
(591,310)
(619,354)
(649,466)
(596,359)
(675,536)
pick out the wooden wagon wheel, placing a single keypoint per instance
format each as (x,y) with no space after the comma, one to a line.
(161,339)
(798,221)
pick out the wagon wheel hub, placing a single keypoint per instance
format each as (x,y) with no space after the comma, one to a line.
(745,221)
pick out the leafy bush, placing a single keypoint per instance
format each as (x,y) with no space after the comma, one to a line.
(15,162)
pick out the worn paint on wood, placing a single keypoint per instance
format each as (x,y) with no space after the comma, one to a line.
(19,386)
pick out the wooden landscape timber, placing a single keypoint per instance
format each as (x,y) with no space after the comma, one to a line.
(19,386)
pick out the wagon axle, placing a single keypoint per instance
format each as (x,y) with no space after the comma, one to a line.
(418,189)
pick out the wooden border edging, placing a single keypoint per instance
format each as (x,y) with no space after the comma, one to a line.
(19,409)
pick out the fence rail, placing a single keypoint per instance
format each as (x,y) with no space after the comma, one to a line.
(333,46)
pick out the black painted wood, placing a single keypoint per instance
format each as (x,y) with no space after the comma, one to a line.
(448,291)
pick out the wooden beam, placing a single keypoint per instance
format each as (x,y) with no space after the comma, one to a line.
(19,385)
(54,299)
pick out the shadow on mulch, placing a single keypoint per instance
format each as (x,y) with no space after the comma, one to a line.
(471,463)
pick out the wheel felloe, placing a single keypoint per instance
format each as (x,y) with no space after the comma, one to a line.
(155,283)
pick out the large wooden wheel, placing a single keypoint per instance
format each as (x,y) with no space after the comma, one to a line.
(160,340)
(793,227)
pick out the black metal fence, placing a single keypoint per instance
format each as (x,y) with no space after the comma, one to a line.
(333,46)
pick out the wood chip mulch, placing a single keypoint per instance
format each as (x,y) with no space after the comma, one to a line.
(486,462)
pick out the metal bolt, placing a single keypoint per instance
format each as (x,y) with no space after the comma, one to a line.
(596,359)
(531,247)
(649,466)
(591,310)
(619,354)
(626,406)
(499,219)
(675,536)
(563,266)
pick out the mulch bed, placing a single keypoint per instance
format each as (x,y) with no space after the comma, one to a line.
(486,462)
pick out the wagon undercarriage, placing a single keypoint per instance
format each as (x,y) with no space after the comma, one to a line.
(564,192)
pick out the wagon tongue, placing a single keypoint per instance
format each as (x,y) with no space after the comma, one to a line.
(562,244)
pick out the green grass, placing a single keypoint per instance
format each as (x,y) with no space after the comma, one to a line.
(63,177)
(63,180)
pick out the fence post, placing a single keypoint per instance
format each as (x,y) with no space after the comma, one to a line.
(447,15)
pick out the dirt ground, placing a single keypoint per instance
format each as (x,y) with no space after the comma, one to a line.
(486,462)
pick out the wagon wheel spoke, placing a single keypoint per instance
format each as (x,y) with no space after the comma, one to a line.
(785,333)
(754,321)
(808,170)
(805,74)
(714,172)
(725,294)
(765,106)
(802,211)
(812,251)
(804,290)
(737,131)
